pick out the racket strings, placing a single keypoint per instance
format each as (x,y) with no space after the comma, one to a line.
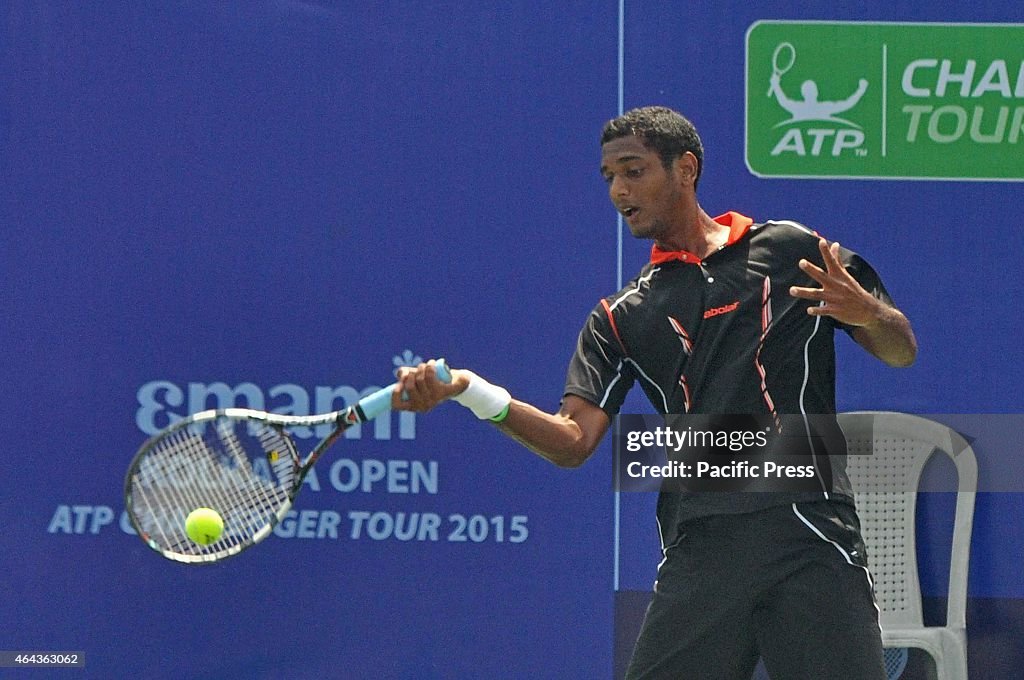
(264,495)
(245,470)
(199,477)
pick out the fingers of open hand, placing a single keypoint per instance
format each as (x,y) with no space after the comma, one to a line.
(840,295)
(817,294)
(830,255)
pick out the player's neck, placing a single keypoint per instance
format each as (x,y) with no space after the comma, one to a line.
(698,234)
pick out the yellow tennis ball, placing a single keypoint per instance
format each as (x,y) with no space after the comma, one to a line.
(204,525)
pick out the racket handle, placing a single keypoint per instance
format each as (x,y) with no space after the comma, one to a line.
(380,401)
(443,374)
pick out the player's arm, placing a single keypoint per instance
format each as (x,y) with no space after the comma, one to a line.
(879,328)
(889,337)
(566,438)
(852,100)
(775,88)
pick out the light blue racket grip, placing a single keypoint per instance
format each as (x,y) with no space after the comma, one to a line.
(380,401)
(443,374)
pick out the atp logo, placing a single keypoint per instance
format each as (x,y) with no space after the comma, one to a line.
(884,100)
(828,134)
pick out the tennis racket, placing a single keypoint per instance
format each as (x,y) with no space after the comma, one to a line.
(783,59)
(240,462)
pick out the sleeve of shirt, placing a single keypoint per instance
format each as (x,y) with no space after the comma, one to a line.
(866,276)
(598,371)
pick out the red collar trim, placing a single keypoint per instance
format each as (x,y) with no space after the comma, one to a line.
(738,225)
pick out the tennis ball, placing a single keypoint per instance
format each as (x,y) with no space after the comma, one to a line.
(204,525)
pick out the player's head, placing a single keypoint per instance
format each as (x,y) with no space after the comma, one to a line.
(662,130)
(809,90)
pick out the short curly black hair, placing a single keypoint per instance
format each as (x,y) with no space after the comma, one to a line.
(664,131)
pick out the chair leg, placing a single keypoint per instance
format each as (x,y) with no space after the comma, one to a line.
(953,665)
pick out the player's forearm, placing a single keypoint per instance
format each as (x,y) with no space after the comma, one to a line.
(566,438)
(889,337)
(556,437)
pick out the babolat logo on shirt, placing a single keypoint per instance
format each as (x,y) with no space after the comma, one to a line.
(724,309)
(885,100)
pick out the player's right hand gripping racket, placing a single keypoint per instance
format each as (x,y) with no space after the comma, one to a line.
(241,463)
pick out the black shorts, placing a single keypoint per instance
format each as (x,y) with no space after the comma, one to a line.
(789,584)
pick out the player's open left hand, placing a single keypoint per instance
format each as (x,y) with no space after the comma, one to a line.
(840,296)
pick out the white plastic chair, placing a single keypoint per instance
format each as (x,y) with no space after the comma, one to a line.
(887,454)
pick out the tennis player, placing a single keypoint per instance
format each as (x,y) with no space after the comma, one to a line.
(730,316)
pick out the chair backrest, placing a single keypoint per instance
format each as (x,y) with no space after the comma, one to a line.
(887,454)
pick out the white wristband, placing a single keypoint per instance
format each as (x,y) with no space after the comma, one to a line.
(485,400)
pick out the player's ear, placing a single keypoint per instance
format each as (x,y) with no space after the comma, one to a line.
(686,168)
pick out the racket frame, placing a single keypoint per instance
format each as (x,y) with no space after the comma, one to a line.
(367,408)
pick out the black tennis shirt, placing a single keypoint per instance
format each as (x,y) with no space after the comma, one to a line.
(720,335)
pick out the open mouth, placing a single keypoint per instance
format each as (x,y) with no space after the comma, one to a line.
(629,211)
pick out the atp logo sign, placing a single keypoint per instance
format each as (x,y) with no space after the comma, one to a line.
(885,100)
(829,131)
